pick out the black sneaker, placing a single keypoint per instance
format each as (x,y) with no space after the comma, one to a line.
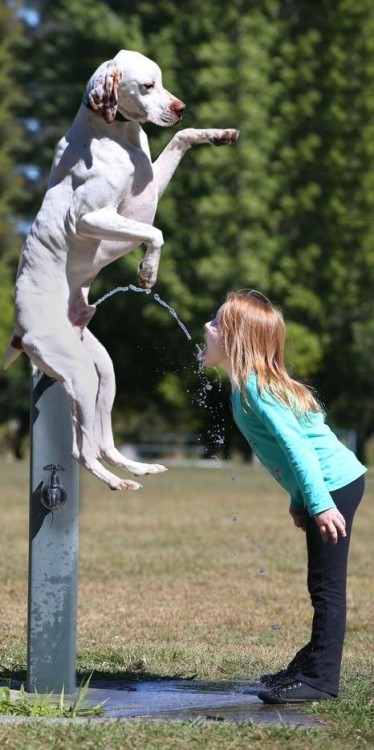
(293,692)
(275,678)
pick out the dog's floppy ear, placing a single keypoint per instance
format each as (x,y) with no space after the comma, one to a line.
(103,97)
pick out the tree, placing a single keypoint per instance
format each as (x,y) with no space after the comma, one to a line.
(219,213)
(10,182)
(324,271)
(286,210)
(51,63)
(58,56)
(13,396)
(291,206)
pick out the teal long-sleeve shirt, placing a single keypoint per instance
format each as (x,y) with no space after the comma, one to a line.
(303,455)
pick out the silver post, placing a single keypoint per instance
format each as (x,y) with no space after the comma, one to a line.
(53,542)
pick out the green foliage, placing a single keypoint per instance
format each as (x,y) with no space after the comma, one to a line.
(288,209)
(57,59)
(46,706)
(9,180)
(326,211)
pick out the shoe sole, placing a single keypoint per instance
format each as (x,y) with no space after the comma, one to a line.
(284,701)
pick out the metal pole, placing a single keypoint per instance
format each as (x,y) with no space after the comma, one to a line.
(53,542)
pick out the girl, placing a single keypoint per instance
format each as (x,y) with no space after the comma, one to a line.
(284,424)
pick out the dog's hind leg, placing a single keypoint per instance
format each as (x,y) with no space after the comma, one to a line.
(65,359)
(103,423)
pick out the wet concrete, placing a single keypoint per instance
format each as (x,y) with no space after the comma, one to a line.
(172,699)
(177,700)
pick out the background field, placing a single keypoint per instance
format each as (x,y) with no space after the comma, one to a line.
(201,573)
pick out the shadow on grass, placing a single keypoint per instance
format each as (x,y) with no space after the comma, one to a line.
(132,680)
(14,678)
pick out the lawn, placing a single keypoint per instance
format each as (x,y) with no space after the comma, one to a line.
(201,573)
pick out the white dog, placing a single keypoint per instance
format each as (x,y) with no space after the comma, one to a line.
(100,204)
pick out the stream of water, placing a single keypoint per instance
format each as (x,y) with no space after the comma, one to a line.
(216,431)
(156,297)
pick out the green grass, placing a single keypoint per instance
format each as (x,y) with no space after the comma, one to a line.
(21,703)
(188,577)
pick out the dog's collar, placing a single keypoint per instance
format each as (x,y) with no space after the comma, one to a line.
(118,117)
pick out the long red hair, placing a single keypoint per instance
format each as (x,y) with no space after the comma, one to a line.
(253,334)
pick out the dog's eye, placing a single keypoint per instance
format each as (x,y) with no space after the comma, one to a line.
(148,86)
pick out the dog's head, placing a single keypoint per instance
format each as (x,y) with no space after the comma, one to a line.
(132,84)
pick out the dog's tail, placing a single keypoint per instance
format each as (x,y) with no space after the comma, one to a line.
(13,351)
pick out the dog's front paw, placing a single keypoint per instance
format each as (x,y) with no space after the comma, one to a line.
(225,137)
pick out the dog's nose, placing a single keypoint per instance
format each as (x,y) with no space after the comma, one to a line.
(178,107)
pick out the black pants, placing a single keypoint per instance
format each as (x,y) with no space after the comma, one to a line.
(319,662)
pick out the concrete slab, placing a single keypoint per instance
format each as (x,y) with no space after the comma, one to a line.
(167,699)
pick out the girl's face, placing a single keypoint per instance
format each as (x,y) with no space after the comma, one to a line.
(214,353)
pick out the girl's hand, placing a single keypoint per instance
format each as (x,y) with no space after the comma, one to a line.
(299,518)
(331,524)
